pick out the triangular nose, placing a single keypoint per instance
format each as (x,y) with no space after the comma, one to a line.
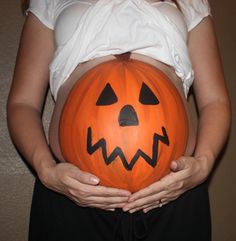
(128,116)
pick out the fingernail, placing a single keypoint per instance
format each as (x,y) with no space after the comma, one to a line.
(125,209)
(94,180)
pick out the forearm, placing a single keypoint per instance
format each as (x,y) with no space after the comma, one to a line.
(27,133)
(213,129)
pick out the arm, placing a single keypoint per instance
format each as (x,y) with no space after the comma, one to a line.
(214,109)
(28,90)
(210,92)
(25,102)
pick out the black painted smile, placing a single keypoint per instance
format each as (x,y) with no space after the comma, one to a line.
(152,161)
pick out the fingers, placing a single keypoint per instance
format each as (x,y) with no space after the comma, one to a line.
(101,202)
(168,188)
(89,197)
(154,188)
(184,175)
(110,192)
(85,177)
(158,203)
(97,191)
(148,200)
(147,209)
(97,196)
(162,185)
(89,179)
(178,165)
(83,188)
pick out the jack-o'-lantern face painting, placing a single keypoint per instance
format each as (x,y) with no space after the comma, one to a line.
(124,121)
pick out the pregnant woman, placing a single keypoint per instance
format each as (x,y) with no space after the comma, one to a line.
(64,39)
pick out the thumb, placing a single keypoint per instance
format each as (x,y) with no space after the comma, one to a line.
(178,165)
(86,178)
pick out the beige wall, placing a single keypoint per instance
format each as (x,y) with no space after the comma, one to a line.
(15,179)
(223,186)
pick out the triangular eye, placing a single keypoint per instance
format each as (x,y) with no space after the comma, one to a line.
(107,97)
(147,97)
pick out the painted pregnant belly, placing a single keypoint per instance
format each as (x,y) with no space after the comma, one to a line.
(124,121)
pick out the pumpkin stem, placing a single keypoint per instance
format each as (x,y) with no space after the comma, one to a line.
(123,56)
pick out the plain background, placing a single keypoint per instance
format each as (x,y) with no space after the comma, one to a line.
(16,181)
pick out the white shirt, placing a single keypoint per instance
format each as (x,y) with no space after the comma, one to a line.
(85,30)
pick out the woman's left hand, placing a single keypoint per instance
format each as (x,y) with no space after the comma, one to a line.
(186,173)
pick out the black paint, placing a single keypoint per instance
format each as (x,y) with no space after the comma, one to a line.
(128,116)
(152,161)
(107,97)
(146,96)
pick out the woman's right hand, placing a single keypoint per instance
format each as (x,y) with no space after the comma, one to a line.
(83,188)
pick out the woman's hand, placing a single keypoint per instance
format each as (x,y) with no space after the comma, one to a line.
(82,187)
(186,173)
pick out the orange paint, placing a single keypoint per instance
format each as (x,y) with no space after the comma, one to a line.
(166,120)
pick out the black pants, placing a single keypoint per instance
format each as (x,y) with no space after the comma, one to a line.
(56,218)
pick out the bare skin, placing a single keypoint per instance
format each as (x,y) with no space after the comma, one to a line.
(83,68)
(214,109)
(27,96)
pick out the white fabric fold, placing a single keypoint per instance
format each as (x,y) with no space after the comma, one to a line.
(117,26)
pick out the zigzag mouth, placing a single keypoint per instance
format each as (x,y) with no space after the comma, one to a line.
(117,152)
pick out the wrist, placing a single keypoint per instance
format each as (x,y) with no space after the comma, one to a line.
(206,162)
(42,164)
(42,158)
